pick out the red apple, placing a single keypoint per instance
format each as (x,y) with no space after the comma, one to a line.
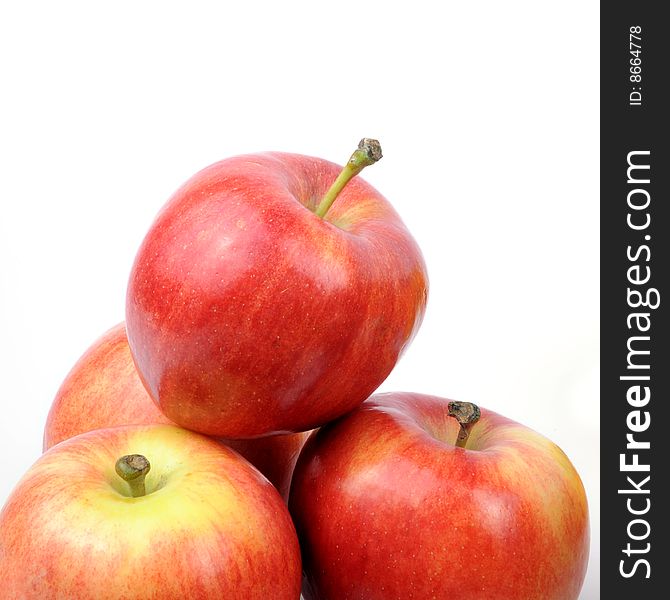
(388,506)
(275,456)
(264,299)
(204,524)
(103,390)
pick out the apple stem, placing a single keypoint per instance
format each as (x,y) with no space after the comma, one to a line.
(368,152)
(133,469)
(467,414)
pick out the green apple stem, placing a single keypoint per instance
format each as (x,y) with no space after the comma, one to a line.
(467,414)
(368,152)
(133,469)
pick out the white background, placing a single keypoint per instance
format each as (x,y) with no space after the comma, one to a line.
(488,117)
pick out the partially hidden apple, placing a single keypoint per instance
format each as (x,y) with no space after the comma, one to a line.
(101,390)
(273,293)
(88,522)
(410,496)
(104,390)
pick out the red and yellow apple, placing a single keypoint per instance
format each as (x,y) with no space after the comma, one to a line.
(387,505)
(204,523)
(103,390)
(272,293)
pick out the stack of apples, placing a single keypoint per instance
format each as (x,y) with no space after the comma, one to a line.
(225,441)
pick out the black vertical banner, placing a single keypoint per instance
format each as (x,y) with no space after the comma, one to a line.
(635,296)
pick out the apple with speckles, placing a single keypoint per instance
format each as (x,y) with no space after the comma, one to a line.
(414,496)
(104,390)
(146,512)
(273,293)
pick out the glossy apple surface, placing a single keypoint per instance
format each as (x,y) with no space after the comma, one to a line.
(248,314)
(387,507)
(209,526)
(103,390)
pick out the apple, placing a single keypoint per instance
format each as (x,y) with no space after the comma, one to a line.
(273,293)
(396,501)
(103,390)
(275,456)
(86,521)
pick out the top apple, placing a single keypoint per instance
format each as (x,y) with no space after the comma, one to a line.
(270,295)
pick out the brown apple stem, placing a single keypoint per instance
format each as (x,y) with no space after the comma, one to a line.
(467,414)
(133,468)
(368,152)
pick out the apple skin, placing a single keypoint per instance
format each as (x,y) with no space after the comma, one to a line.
(210,526)
(387,507)
(248,314)
(104,390)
